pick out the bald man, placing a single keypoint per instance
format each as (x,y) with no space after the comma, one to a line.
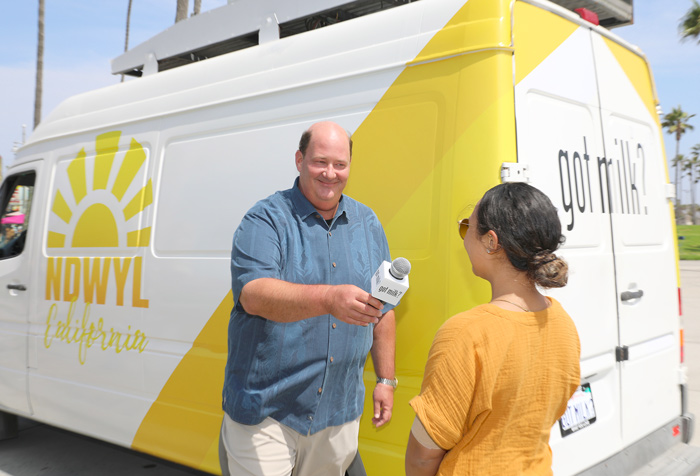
(304,321)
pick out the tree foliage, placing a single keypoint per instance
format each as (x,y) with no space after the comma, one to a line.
(676,123)
(690,23)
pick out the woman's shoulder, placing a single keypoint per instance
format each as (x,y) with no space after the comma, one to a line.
(557,311)
(476,322)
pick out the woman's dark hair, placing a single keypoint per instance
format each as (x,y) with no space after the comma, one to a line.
(528,230)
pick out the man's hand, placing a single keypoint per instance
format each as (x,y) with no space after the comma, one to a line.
(353,305)
(383,397)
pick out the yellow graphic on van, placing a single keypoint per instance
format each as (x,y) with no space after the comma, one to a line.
(97,227)
(98,207)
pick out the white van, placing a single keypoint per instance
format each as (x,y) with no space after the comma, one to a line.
(124,201)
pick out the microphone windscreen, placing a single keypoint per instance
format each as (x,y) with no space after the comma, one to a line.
(400,268)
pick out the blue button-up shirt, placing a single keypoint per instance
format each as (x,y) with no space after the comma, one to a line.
(307,374)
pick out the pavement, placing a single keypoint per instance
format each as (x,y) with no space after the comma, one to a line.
(690,307)
(49,451)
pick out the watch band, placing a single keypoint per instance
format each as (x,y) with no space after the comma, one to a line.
(391,382)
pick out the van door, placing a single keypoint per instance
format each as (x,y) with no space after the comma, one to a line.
(587,130)
(643,243)
(18,233)
(560,139)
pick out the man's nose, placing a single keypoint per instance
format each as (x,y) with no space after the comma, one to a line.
(330,171)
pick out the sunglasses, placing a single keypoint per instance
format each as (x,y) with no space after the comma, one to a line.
(463,227)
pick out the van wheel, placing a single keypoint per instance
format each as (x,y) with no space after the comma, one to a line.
(8,426)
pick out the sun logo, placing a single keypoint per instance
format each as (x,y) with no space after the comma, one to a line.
(101,205)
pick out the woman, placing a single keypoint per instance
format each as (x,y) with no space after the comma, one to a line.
(500,375)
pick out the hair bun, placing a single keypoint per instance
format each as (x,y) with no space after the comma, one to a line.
(547,270)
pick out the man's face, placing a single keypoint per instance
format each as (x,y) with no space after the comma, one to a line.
(324,169)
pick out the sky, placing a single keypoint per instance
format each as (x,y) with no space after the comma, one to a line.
(82,36)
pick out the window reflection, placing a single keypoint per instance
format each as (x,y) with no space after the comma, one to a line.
(16,195)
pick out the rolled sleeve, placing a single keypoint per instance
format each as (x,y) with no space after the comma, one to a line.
(255,252)
(446,405)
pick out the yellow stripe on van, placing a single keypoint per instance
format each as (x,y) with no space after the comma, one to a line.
(639,74)
(441,130)
(478,25)
(415,123)
(183,423)
(532,44)
(637,71)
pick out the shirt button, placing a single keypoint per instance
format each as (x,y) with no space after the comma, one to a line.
(310,418)
(331,359)
(330,234)
(320,389)
(333,325)
(334,265)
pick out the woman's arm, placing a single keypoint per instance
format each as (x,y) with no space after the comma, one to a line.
(422,460)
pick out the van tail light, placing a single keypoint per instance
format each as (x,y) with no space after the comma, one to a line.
(682,347)
(680,313)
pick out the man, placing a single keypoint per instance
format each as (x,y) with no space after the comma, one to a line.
(304,320)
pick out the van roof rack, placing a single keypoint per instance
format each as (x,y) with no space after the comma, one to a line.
(244,23)
(239,24)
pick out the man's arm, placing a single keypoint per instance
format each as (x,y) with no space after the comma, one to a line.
(422,461)
(282,301)
(383,355)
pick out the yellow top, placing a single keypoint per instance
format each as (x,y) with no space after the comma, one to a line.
(495,383)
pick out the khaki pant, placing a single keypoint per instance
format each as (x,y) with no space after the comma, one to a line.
(272,449)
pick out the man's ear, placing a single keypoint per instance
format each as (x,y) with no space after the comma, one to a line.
(298,158)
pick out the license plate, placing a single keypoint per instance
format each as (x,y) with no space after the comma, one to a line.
(580,411)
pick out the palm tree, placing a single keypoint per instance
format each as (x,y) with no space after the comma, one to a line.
(39,87)
(128,22)
(692,165)
(690,23)
(676,122)
(181,12)
(677,162)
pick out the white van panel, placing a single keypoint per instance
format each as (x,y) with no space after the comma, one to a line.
(644,252)
(186,225)
(560,139)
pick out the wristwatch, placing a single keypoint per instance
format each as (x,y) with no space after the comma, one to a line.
(391,382)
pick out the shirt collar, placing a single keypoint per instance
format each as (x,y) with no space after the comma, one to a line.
(304,207)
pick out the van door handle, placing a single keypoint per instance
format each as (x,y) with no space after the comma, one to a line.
(17,287)
(629,295)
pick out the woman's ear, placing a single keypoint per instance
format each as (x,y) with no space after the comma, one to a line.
(490,241)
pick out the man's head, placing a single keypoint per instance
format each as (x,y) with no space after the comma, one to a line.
(323,162)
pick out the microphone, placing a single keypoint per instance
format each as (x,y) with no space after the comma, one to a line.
(390,281)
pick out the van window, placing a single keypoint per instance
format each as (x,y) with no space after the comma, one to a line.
(15,202)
